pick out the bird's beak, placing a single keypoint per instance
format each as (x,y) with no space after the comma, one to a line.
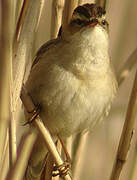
(93,22)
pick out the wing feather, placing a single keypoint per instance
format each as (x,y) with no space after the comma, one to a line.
(43,49)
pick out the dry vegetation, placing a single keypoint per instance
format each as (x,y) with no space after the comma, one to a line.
(24,26)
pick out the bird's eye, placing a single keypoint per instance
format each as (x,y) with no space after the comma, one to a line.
(104,22)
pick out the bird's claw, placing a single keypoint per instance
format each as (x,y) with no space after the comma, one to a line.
(34,113)
(61,170)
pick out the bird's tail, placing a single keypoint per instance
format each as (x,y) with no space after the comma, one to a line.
(37,160)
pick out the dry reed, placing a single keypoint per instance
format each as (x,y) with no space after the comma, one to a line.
(5,71)
(70,5)
(29,106)
(127,133)
(25,148)
(56,20)
(25,31)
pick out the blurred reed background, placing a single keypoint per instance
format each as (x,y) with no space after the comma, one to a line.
(97,158)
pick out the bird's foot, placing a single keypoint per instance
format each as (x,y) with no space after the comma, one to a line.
(61,170)
(65,150)
(34,113)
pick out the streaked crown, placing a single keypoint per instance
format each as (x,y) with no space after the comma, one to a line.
(89,14)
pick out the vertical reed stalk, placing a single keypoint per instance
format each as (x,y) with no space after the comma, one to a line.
(70,5)
(133,173)
(6,39)
(102,3)
(80,2)
(127,67)
(77,164)
(127,134)
(56,20)
(17,172)
(24,48)
(12,123)
(5,159)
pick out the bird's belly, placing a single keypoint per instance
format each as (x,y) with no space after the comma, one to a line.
(76,111)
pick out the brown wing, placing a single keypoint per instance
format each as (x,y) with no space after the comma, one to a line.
(44,48)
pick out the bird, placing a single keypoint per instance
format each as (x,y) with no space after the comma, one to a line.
(72,79)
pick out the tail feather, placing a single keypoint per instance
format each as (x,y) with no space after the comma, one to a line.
(37,161)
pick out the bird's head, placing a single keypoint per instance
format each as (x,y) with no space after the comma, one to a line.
(87,16)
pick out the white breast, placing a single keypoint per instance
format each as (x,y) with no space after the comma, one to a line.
(75,84)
